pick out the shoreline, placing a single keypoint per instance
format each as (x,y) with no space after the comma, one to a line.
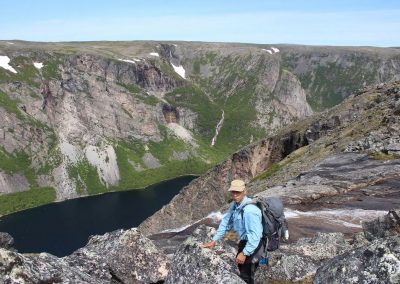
(100,194)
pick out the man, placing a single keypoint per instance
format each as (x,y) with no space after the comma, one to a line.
(248,227)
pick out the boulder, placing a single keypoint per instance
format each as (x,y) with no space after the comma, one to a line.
(6,240)
(42,268)
(299,261)
(377,262)
(386,226)
(127,255)
(194,264)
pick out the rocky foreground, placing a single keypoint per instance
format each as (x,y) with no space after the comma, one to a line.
(129,257)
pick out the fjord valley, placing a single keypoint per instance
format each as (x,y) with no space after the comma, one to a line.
(85,118)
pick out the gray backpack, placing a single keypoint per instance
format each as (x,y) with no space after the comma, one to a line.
(273,220)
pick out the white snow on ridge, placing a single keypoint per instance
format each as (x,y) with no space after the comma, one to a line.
(130,61)
(180,70)
(154,54)
(38,65)
(10,42)
(267,50)
(4,60)
(275,49)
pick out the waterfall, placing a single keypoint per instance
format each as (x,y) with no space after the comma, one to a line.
(217,129)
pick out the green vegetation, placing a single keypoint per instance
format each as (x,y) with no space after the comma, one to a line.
(194,98)
(132,178)
(276,167)
(168,70)
(18,162)
(329,83)
(27,199)
(50,68)
(269,172)
(132,88)
(86,178)
(149,99)
(10,105)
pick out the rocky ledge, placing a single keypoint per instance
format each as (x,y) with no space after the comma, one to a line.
(126,256)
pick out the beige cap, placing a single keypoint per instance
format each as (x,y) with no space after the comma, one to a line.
(237,185)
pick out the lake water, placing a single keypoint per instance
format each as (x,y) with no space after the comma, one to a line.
(61,228)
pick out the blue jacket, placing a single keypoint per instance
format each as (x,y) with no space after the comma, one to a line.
(250,228)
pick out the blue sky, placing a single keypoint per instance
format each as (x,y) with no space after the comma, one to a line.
(312,22)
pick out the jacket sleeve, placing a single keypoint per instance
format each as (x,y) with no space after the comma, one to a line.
(253,227)
(225,225)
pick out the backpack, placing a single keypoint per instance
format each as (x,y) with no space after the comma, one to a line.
(273,221)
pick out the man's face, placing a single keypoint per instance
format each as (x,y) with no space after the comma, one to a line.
(238,196)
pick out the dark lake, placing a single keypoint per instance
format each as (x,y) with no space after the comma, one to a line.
(61,228)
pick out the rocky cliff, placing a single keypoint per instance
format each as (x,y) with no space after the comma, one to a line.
(86,118)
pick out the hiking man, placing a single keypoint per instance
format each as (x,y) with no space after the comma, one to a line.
(248,227)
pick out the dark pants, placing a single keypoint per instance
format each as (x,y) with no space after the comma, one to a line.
(247,269)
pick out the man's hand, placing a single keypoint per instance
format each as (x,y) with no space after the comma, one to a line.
(209,245)
(240,259)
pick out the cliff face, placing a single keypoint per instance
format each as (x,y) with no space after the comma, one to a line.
(87,118)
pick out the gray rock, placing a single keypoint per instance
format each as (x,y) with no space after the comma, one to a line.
(283,268)
(127,255)
(194,264)
(378,262)
(16,268)
(386,226)
(299,261)
(6,240)
(150,161)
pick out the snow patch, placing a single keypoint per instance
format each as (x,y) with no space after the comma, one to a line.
(38,65)
(181,132)
(267,50)
(105,160)
(10,42)
(180,70)
(130,61)
(275,50)
(4,60)
(154,54)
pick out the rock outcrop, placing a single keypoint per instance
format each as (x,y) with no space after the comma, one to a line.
(126,255)
(116,257)
(377,262)
(299,261)
(6,240)
(194,264)
(42,268)
(387,226)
